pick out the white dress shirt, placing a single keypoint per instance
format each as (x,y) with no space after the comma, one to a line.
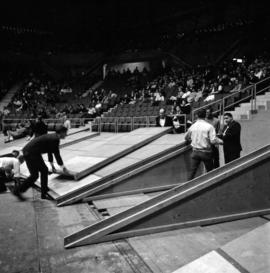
(162,122)
(202,134)
(10,163)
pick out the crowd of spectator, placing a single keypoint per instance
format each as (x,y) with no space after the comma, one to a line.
(181,87)
(178,87)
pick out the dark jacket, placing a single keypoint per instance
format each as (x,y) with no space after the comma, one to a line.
(40,128)
(44,144)
(168,121)
(231,138)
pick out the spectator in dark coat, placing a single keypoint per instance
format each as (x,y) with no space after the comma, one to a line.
(40,128)
(163,120)
(231,138)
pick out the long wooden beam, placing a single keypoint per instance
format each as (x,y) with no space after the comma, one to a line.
(131,148)
(68,143)
(237,190)
(122,181)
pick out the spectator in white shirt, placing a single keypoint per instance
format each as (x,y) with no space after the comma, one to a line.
(67,122)
(202,136)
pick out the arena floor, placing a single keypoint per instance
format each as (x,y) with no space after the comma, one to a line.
(32,232)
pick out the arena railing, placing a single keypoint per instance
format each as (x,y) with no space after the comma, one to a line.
(227,103)
(127,124)
(11,123)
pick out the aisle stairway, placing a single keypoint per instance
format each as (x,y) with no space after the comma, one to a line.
(243,111)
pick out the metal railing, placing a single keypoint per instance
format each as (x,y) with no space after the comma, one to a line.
(11,123)
(228,102)
(127,124)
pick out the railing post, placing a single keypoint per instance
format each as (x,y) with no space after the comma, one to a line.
(99,125)
(252,100)
(222,110)
(193,116)
(255,96)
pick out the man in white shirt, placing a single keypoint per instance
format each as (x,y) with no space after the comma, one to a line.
(9,169)
(66,122)
(202,136)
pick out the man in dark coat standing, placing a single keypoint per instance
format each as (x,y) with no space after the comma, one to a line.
(163,120)
(231,138)
(32,152)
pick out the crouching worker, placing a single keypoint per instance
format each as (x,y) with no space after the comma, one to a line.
(9,170)
(32,152)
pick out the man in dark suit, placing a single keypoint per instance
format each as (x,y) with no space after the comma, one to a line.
(32,152)
(231,138)
(162,120)
(40,128)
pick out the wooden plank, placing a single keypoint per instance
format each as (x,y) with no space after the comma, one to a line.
(170,250)
(122,201)
(210,263)
(122,177)
(113,211)
(74,131)
(152,174)
(251,250)
(246,253)
(153,150)
(77,137)
(211,198)
(63,185)
(114,150)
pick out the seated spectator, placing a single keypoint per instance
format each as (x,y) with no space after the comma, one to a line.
(178,124)
(158,97)
(185,107)
(163,120)
(66,122)
(192,96)
(198,96)
(176,110)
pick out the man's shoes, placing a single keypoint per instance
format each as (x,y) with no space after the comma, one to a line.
(16,193)
(45,196)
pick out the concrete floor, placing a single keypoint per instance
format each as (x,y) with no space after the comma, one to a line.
(32,232)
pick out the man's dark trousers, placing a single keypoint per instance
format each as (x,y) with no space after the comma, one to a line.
(200,156)
(35,164)
(230,156)
(3,180)
(215,157)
